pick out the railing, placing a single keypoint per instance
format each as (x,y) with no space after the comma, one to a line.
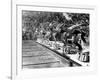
(50,45)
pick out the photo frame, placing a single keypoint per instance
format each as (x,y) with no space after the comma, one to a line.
(17,70)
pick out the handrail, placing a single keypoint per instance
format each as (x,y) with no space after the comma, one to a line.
(66,57)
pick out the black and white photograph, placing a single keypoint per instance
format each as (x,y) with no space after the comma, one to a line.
(50,40)
(55,39)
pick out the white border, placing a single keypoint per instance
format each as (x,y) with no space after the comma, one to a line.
(35,73)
